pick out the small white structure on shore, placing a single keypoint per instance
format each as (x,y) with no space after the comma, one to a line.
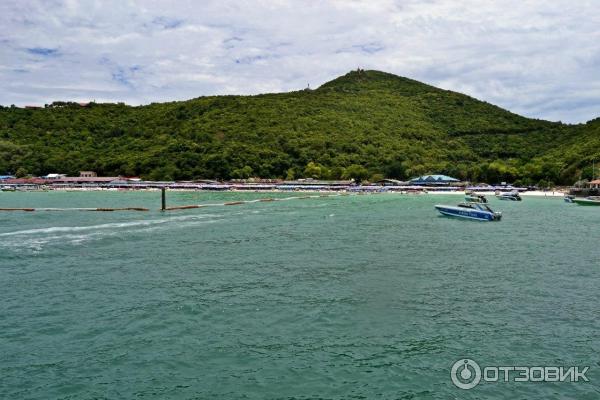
(54,176)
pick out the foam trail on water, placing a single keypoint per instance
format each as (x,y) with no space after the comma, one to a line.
(78,235)
(36,239)
(112,225)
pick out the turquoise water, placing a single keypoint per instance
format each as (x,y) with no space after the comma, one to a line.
(370,296)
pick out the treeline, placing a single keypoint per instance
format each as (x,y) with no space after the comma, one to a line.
(365,125)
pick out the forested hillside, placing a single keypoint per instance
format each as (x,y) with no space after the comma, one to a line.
(365,124)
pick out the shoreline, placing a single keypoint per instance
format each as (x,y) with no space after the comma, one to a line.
(532,193)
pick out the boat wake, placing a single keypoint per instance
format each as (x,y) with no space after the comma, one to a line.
(38,239)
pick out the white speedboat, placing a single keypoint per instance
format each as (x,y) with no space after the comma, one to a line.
(475,197)
(511,196)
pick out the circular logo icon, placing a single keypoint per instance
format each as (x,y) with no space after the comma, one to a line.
(465,374)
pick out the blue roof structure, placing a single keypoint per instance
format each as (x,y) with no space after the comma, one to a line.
(433,179)
(2,177)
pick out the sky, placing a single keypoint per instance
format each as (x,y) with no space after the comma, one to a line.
(536,58)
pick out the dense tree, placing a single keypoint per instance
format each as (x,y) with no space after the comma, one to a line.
(315,171)
(21,172)
(359,125)
(356,172)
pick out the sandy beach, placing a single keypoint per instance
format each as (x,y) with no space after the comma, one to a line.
(532,193)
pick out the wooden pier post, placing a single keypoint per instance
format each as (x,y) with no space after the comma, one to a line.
(163,199)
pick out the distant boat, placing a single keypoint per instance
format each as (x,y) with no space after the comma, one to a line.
(569,199)
(470,210)
(587,201)
(475,198)
(511,196)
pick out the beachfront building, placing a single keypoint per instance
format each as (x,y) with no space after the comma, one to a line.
(87,174)
(595,184)
(391,182)
(25,183)
(314,184)
(434,180)
(87,180)
(585,188)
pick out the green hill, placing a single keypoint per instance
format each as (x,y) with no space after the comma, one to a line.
(362,124)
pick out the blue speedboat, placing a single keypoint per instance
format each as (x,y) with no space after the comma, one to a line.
(470,210)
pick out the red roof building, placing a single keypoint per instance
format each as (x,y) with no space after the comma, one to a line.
(594,184)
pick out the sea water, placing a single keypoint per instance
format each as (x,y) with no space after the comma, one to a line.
(373,296)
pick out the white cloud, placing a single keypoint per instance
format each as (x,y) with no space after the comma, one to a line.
(532,57)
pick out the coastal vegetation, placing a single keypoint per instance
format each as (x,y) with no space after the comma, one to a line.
(363,125)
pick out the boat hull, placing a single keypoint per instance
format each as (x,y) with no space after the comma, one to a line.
(586,202)
(467,213)
(509,198)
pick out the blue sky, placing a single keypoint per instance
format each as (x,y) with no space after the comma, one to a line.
(536,58)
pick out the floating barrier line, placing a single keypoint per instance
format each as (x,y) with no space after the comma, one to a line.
(121,209)
(183,207)
(240,202)
(76,209)
(175,208)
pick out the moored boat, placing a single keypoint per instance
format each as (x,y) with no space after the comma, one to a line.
(587,201)
(511,196)
(475,197)
(470,210)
